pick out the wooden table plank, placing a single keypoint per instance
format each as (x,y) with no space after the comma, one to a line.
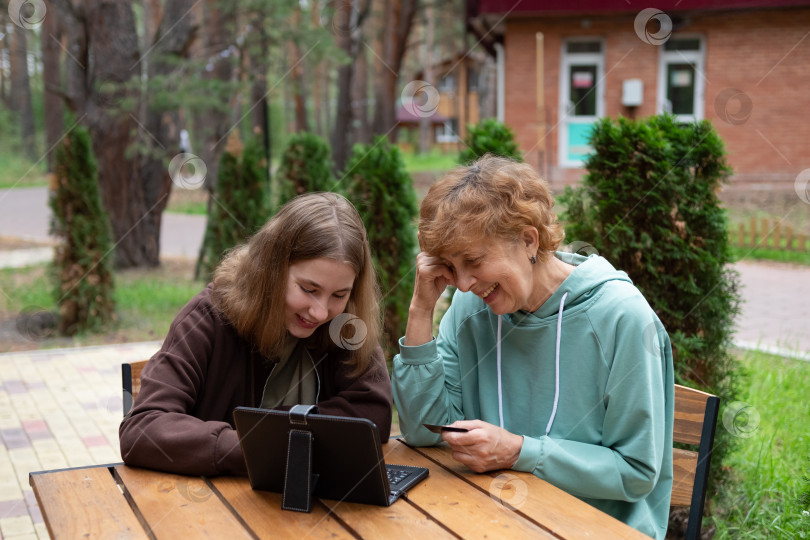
(400,520)
(467,512)
(539,501)
(84,503)
(262,511)
(452,502)
(176,506)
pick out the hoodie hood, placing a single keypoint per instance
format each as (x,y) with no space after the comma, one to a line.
(578,291)
(580,288)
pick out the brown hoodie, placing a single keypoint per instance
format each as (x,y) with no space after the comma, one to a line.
(182,419)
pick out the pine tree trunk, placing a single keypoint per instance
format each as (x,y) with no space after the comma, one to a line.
(343,117)
(318,77)
(74,36)
(213,125)
(52,81)
(21,89)
(362,130)
(172,41)
(134,185)
(349,17)
(425,138)
(297,63)
(398,18)
(257,45)
(134,202)
(6,46)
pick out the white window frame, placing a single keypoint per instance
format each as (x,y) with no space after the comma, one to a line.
(447,83)
(698,58)
(566,60)
(446,134)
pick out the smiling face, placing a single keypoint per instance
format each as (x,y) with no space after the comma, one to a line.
(498,271)
(317,292)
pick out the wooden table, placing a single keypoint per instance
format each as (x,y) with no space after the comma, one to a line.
(117,501)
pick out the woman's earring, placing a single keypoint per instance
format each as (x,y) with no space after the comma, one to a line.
(533,259)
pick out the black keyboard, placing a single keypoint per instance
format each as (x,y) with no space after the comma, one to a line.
(396,476)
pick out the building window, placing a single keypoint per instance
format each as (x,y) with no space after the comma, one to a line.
(447,132)
(447,83)
(582,97)
(681,79)
(582,84)
(473,75)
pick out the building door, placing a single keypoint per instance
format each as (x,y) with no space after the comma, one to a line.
(680,78)
(582,97)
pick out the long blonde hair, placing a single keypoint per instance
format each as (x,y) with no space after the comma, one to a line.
(250,284)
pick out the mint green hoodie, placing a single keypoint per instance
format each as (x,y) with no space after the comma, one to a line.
(595,411)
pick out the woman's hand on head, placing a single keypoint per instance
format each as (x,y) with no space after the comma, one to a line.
(432,278)
(484,447)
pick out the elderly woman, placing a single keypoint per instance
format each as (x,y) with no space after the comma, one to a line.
(554,363)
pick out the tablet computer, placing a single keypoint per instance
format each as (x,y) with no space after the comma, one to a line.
(347,458)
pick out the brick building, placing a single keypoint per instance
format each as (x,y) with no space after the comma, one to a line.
(465,95)
(742,64)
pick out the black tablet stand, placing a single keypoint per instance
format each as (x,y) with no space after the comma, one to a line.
(299,482)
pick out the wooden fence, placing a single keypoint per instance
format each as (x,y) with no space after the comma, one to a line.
(768,234)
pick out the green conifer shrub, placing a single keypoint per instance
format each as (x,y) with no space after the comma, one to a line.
(239,205)
(489,137)
(306,166)
(382,191)
(82,275)
(649,205)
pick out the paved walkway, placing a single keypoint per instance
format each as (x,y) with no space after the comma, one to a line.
(24,214)
(776,308)
(61,408)
(58,408)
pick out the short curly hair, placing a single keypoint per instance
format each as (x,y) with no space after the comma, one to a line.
(491,198)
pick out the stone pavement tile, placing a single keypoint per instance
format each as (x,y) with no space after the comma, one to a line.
(33,508)
(24,461)
(15,527)
(42,531)
(13,508)
(50,455)
(58,408)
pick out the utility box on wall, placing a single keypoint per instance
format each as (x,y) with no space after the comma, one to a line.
(632,92)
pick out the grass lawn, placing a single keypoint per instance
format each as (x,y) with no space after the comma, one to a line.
(771,463)
(188,201)
(432,161)
(763,254)
(16,170)
(146,303)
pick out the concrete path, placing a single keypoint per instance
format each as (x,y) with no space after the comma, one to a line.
(776,308)
(24,214)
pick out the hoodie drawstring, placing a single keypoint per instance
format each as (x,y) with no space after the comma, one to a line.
(556,368)
(557,365)
(498,356)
